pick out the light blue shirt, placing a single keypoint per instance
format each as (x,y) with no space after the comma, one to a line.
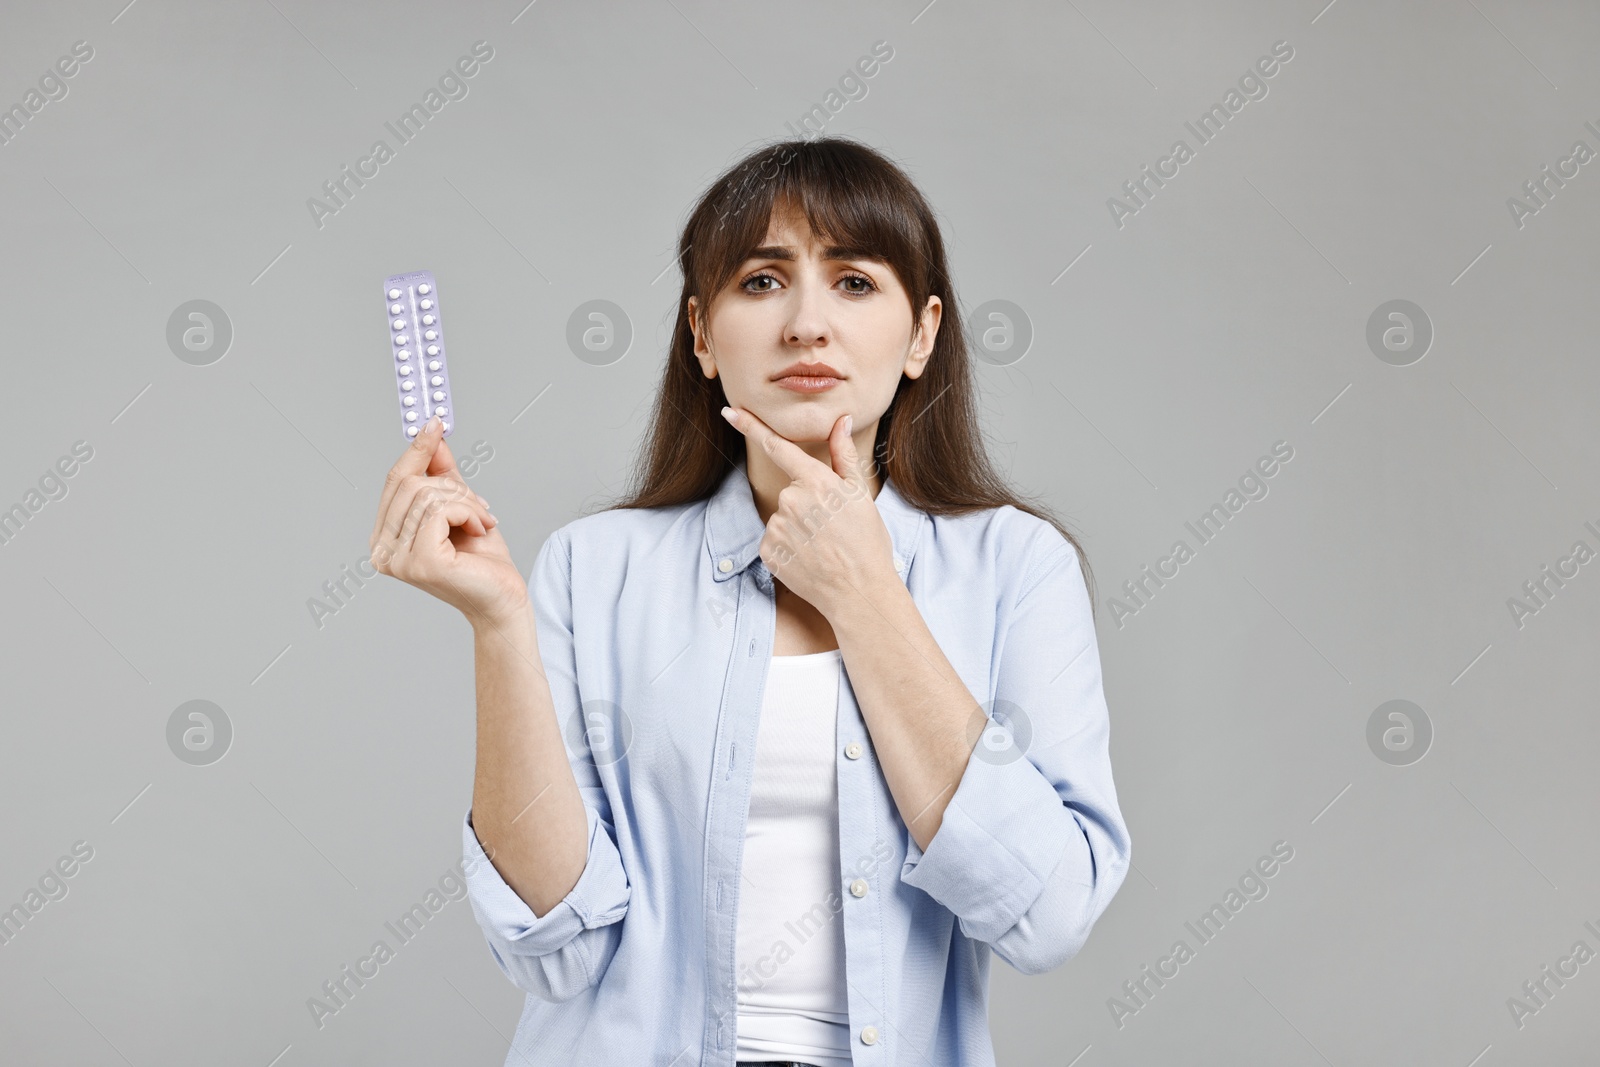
(656,627)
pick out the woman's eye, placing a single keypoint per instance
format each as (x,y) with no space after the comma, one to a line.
(858,284)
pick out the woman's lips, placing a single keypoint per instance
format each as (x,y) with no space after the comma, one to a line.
(808,384)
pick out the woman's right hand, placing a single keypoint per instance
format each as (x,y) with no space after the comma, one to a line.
(435,533)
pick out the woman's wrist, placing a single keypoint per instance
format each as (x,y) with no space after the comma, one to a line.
(505,619)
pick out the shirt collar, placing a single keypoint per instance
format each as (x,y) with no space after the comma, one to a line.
(734,528)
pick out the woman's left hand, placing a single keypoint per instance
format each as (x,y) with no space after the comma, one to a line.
(826,541)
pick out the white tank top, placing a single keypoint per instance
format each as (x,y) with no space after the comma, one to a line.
(792,1000)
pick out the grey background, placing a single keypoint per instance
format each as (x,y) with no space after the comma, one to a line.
(1229,313)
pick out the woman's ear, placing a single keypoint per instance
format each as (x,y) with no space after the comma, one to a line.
(923,336)
(702,339)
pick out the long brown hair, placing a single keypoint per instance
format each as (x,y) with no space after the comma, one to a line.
(929,440)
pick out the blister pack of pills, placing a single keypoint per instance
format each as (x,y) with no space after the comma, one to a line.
(416,342)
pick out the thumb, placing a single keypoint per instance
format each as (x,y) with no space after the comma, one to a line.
(443,461)
(842,450)
(420,455)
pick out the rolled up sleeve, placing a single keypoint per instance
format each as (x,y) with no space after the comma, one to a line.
(557,955)
(1032,845)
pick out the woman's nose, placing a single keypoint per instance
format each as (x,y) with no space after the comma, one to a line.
(808,321)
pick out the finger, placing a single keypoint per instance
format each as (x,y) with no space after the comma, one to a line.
(455,489)
(443,465)
(789,457)
(460,490)
(386,544)
(423,553)
(398,526)
(475,524)
(450,492)
(842,450)
(392,524)
(430,500)
(414,460)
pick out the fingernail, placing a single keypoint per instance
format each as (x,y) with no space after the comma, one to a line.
(849,423)
(482,501)
(728,414)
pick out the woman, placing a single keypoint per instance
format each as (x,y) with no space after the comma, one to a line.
(820,724)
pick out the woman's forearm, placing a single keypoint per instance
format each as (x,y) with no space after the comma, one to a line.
(923,721)
(526,808)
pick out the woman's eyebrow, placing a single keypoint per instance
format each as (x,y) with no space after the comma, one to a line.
(831,252)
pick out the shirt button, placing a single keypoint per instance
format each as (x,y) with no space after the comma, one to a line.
(725,566)
(853,750)
(869,1035)
(858,887)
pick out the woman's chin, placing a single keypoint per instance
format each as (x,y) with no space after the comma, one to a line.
(809,431)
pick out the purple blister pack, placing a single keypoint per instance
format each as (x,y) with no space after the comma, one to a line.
(416,344)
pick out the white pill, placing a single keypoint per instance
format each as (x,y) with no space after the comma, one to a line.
(427,320)
(430,335)
(433,350)
(406,369)
(438,394)
(426,304)
(402,339)
(411,416)
(424,289)
(408,401)
(434,364)
(408,385)
(411,431)
(394,294)
(444,427)
(395,309)
(441,411)
(399,324)
(403,354)
(435,380)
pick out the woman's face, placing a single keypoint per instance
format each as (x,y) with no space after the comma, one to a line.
(795,301)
